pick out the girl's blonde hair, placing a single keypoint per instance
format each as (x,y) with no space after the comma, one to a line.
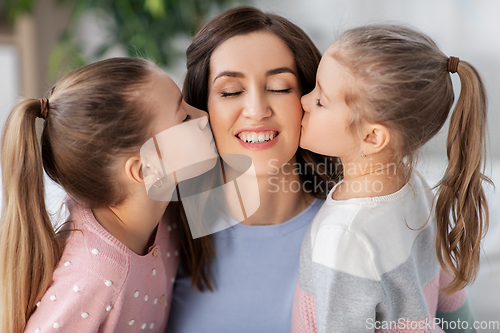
(96,113)
(402,81)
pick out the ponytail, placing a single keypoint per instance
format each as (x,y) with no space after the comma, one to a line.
(29,248)
(461,208)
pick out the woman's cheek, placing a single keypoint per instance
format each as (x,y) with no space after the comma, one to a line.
(298,113)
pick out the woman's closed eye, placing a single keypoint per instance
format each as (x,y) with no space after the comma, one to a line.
(280,91)
(229,94)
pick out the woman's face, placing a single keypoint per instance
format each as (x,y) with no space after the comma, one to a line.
(254,100)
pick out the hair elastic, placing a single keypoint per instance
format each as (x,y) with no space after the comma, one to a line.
(453,64)
(44,108)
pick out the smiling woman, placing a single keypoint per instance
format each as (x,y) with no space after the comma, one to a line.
(249,70)
(257,99)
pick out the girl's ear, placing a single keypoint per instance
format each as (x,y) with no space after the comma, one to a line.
(375,138)
(133,170)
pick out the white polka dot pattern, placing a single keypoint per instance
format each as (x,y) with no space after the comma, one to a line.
(89,282)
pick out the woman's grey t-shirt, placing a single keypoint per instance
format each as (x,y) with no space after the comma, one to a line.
(254,275)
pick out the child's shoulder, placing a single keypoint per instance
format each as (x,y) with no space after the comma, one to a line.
(415,197)
(88,280)
(85,287)
(89,248)
(366,237)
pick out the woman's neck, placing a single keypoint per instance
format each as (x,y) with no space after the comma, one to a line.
(282,197)
(133,222)
(371,176)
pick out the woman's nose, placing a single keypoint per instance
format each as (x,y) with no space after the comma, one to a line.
(257,107)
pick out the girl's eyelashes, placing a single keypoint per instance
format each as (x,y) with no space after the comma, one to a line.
(188,117)
(318,102)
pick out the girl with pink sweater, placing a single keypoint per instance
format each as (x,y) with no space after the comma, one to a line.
(112,265)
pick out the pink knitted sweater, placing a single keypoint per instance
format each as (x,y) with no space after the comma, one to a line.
(102,286)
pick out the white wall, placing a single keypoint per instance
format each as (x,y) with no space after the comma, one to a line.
(9,94)
(9,79)
(9,82)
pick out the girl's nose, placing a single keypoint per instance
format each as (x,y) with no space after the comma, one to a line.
(192,111)
(305,102)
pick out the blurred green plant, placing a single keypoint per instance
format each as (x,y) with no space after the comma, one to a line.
(147,28)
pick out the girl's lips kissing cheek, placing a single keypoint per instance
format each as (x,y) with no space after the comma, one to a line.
(257,139)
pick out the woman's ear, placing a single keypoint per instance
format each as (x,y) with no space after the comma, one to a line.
(375,138)
(133,170)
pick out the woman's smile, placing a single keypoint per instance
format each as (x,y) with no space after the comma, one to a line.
(259,138)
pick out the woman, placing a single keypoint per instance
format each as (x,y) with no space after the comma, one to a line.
(249,70)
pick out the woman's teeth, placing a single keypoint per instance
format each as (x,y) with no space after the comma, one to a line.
(253,137)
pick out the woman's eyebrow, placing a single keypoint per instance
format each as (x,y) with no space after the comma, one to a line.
(228,73)
(280,70)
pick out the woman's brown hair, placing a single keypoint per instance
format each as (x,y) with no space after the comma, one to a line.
(198,253)
(402,81)
(95,114)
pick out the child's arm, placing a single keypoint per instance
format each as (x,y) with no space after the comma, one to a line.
(454,311)
(77,301)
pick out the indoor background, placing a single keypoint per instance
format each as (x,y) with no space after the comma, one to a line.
(43,39)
